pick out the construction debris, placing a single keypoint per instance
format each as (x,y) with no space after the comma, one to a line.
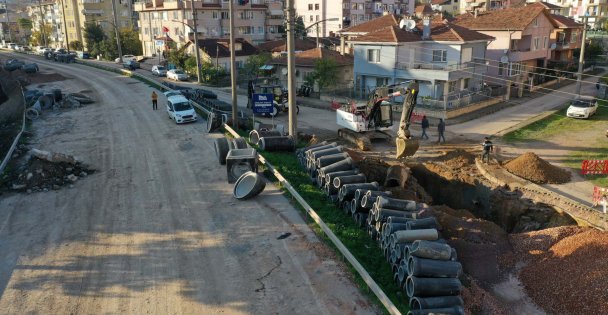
(537,170)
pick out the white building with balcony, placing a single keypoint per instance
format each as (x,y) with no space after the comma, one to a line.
(48,13)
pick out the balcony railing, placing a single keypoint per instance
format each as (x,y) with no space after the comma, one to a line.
(562,44)
(432,66)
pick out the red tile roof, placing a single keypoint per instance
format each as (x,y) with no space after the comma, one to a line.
(307,58)
(423,9)
(565,22)
(390,34)
(440,2)
(551,6)
(281,45)
(440,31)
(372,25)
(220,47)
(514,19)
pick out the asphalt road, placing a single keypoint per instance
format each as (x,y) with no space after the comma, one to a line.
(155,229)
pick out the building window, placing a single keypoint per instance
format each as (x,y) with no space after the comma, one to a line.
(215,15)
(176,31)
(574,37)
(361,17)
(514,44)
(535,22)
(311,18)
(536,43)
(545,42)
(451,86)
(260,30)
(165,16)
(465,83)
(175,15)
(440,55)
(225,15)
(354,6)
(145,31)
(501,67)
(373,55)
(317,18)
(345,6)
(239,64)
(316,6)
(310,7)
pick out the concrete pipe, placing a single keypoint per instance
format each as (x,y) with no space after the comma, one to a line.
(221,149)
(346,208)
(359,193)
(402,275)
(396,204)
(431,250)
(255,135)
(425,287)
(320,181)
(331,190)
(344,165)
(274,144)
(367,202)
(393,227)
(353,207)
(423,303)
(403,220)
(393,256)
(413,235)
(308,152)
(360,218)
(349,189)
(396,176)
(330,159)
(422,267)
(382,213)
(453,255)
(326,152)
(406,253)
(248,185)
(425,223)
(329,177)
(454,310)
(396,278)
(338,181)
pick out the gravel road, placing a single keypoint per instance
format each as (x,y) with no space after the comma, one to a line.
(155,229)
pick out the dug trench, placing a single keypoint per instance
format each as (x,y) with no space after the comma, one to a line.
(479,220)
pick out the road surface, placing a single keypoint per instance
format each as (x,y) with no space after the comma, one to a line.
(155,229)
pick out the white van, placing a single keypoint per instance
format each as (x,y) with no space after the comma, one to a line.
(180,110)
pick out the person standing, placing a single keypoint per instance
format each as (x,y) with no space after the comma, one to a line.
(154,100)
(487,148)
(441,130)
(425,126)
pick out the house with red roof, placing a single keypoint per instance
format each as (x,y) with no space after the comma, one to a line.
(566,37)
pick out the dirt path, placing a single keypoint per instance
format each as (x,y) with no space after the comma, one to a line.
(155,229)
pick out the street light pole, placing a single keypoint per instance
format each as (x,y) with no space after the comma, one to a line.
(65,25)
(581,58)
(317,25)
(291,71)
(235,123)
(198,54)
(116,31)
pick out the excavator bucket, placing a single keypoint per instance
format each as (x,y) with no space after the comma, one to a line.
(406,147)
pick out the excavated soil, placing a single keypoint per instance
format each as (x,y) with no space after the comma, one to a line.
(457,158)
(566,269)
(537,170)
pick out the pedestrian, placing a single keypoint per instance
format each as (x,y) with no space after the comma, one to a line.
(487,148)
(425,126)
(597,85)
(441,130)
(604,203)
(154,100)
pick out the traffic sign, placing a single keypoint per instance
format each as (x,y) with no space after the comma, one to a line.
(262,103)
(159,42)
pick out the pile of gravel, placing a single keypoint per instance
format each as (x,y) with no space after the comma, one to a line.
(537,170)
(570,276)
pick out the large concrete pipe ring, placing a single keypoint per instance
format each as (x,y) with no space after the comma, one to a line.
(308,152)
(382,214)
(329,151)
(396,204)
(424,287)
(275,144)
(344,165)
(248,185)
(455,310)
(396,176)
(221,149)
(339,181)
(347,191)
(423,303)
(255,135)
(329,177)
(213,122)
(422,267)
(239,143)
(431,250)
(393,220)
(325,160)
(413,235)
(424,223)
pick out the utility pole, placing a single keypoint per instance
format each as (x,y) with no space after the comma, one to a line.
(581,58)
(235,123)
(42,31)
(291,70)
(317,35)
(198,54)
(8,21)
(115,30)
(65,24)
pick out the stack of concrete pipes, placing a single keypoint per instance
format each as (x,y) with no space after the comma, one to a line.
(424,266)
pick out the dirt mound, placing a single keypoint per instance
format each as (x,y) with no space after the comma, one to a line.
(537,170)
(570,276)
(458,158)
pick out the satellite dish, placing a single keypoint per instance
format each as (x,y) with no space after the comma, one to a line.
(284,71)
(402,24)
(553,46)
(504,59)
(409,24)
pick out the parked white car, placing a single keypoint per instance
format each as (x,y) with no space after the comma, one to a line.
(126,58)
(177,75)
(172,93)
(584,107)
(180,110)
(159,70)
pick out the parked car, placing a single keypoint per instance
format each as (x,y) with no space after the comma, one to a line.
(82,55)
(12,46)
(584,107)
(172,93)
(159,71)
(30,68)
(130,64)
(177,75)
(125,58)
(26,48)
(180,110)
(13,64)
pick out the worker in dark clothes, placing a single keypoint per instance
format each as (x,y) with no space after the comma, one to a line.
(425,126)
(487,148)
(441,130)
(154,101)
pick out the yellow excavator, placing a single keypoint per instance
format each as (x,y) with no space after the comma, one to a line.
(370,121)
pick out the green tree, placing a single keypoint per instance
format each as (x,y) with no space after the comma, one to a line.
(299,28)
(76,45)
(41,36)
(129,41)
(25,24)
(325,73)
(252,65)
(94,38)
(178,58)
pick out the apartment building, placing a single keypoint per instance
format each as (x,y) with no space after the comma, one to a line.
(332,16)
(80,12)
(48,12)
(255,21)
(595,10)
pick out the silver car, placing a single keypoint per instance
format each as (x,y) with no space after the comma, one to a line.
(177,75)
(159,70)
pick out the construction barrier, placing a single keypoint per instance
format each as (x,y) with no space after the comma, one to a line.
(594,167)
(598,194)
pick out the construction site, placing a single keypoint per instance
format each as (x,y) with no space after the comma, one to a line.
(105,202)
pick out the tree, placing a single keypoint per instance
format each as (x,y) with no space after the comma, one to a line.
(76,45)
(25,24)
(252,65)
(129,41)
(94,38)
(299,28)
(41,36)
(325,73)
(178,58)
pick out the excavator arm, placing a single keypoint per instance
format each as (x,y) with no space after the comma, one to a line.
(406,144)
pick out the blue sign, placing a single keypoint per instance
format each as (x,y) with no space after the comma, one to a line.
(262,103)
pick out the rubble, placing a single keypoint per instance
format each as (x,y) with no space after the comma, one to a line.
(537,170)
